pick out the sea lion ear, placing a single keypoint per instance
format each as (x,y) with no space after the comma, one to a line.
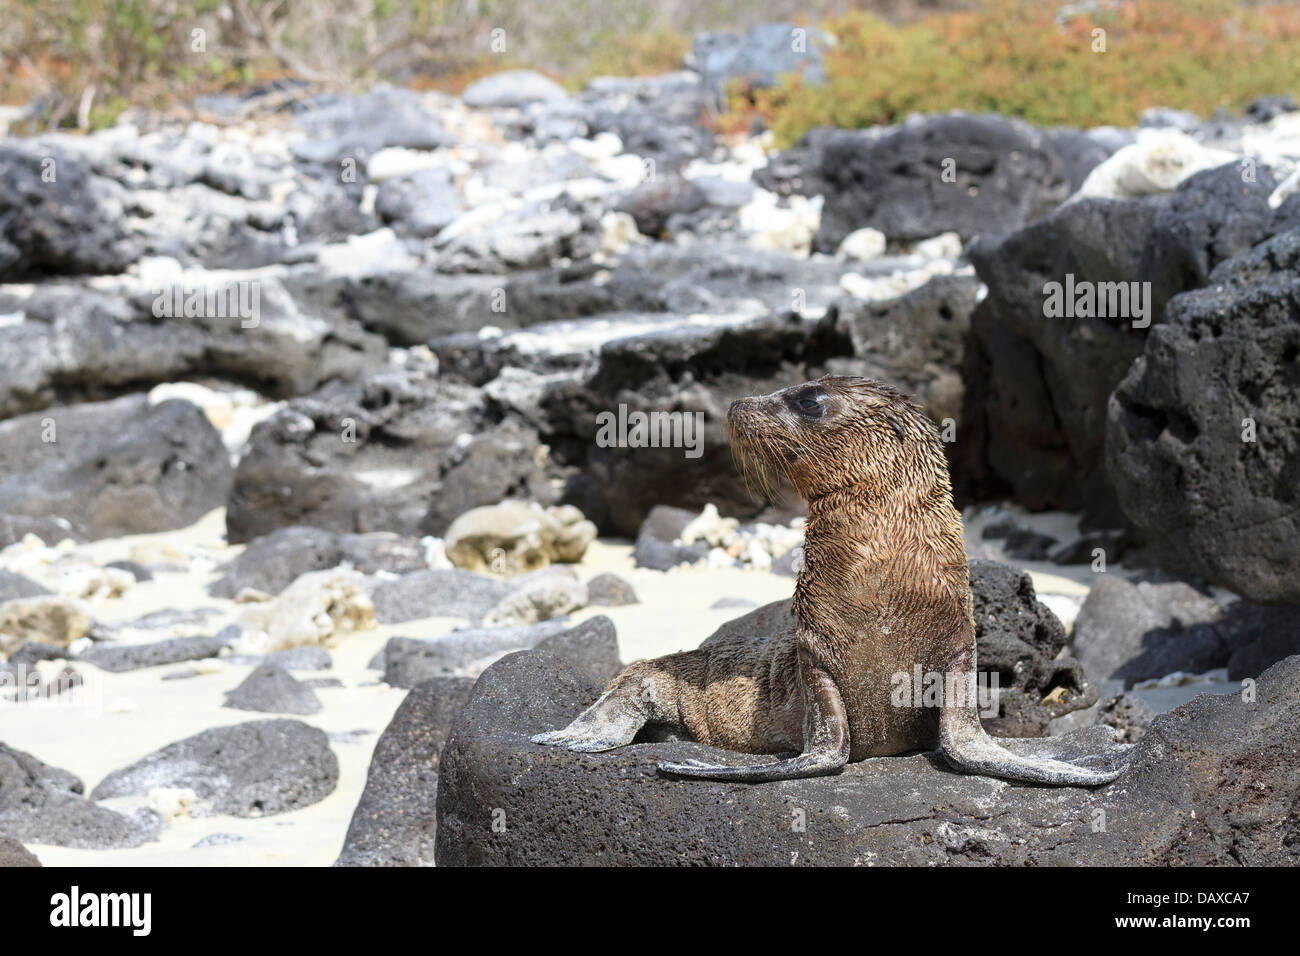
(896,425)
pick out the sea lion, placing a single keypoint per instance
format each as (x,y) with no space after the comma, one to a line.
(884,589)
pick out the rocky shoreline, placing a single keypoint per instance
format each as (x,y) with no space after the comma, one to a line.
(300,439)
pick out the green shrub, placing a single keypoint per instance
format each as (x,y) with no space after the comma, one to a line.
(1017,58)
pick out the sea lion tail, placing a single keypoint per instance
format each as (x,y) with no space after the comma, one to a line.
(968,747)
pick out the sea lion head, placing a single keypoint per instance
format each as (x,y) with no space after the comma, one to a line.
(835,433)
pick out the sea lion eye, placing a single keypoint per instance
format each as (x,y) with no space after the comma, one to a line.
(810,404)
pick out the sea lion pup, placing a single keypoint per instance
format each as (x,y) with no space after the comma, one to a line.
(884,588)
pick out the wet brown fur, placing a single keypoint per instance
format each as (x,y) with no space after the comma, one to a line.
(885,582)
(884,587)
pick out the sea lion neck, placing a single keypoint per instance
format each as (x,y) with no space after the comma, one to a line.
(855,532)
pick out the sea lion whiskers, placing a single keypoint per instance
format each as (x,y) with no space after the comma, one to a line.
(751,466)
(755,456)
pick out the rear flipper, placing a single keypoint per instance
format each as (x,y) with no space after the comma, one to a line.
(826,739)
(814,764)
(1046,760)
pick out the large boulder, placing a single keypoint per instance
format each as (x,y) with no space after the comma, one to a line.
(1213,782)
(369,457)
(917,341)
(955,173)
(1201,433)
(78,344)
(1033,424)
(1133,632)
(258,768)
(58,218)
(114,468)
(396,820)
(1018,644)
(42,804)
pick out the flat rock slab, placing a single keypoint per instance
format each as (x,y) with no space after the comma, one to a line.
(593,644)
(443,593)
(252,769)
(410,660)
(118,658)
(1211,782)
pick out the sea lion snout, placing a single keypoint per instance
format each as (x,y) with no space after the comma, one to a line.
(747,415)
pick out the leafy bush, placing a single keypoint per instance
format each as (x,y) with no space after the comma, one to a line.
(1022,58)
(83,61)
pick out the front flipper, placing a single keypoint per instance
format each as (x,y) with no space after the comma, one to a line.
(825,734)
(612,721)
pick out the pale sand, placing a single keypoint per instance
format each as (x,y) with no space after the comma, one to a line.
(126,716)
